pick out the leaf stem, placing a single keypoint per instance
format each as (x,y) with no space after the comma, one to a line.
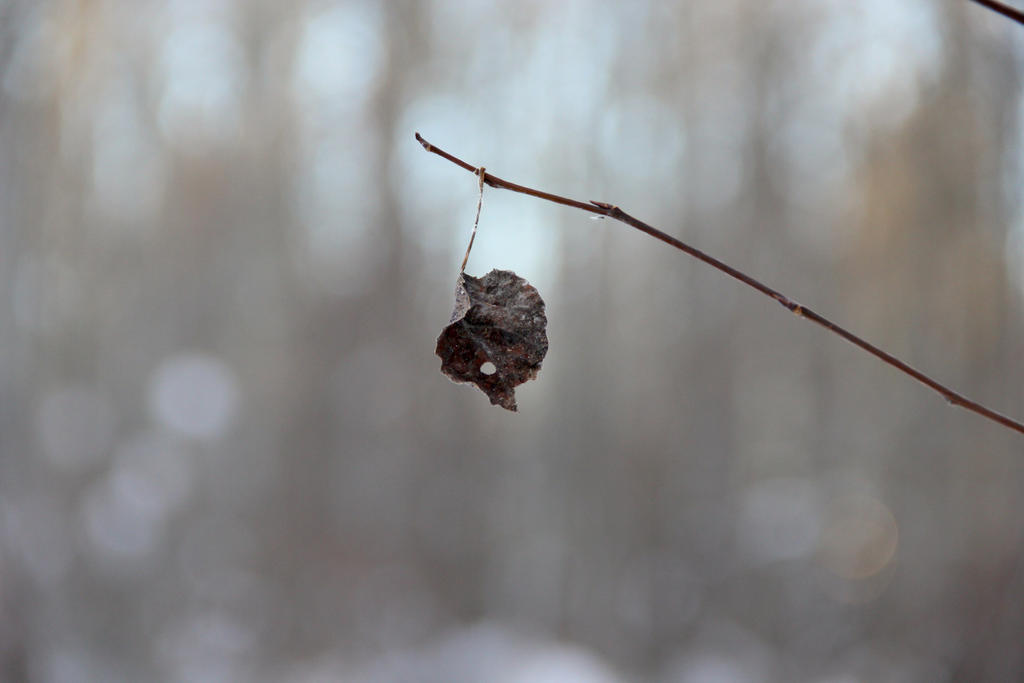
(612,211)
(476,221)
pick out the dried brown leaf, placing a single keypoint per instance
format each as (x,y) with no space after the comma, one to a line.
(498,319)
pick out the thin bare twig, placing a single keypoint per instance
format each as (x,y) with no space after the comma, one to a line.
(612,211)
(1003,9)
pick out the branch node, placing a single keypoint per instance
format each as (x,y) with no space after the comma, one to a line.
(602,205)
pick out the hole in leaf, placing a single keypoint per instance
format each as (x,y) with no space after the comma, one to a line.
(496,337)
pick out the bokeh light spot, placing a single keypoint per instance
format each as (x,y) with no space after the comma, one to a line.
(860,539)
(339,58)
(194,394)
(204,72)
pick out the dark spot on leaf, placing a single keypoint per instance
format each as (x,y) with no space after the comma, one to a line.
(496,337)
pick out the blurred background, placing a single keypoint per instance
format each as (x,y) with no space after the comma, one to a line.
(226,450)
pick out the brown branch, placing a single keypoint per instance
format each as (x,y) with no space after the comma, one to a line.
(612,211)
(1003,9)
